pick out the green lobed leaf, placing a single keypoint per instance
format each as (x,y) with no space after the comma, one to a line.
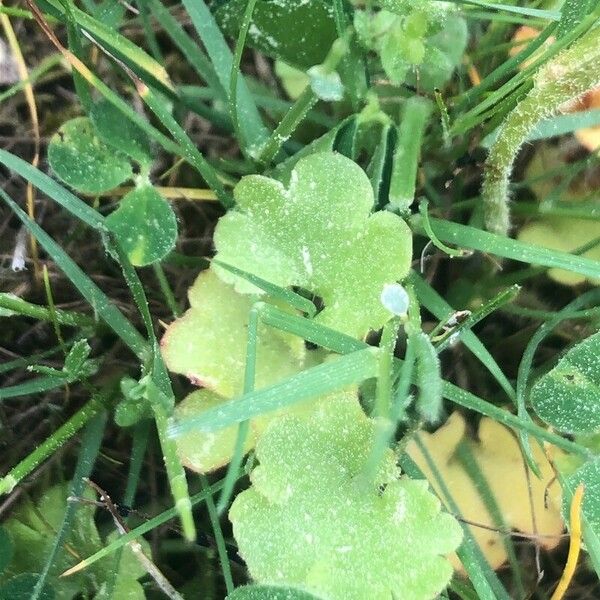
(208,344)
(270,592)
(311,519)
(420,43)
(442,55)
(568,397)
(145,225)
(317,234)
(121,133)
(83,161)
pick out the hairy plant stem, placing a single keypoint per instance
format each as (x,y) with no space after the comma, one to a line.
(564,79)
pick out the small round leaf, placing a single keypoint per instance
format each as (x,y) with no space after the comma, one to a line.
(145,225)
(568,396)
(83,161)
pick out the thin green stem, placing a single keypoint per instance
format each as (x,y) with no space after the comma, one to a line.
(477,476)
(414,119)
(166,290)
(480,573)
(90,446)
(383,395)
(41,313)
(573,72)
(244,426)
(302,106)
(287,125)
(149,525)
(45,65)
(213,515)
(60,437)
(235,69)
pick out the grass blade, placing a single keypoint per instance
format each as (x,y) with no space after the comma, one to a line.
(252,130)
(482,577)
(90,446)
(483,241)
(436,305)
(101,304)
(54,190)
(316,381)
(149,525)
(60,437)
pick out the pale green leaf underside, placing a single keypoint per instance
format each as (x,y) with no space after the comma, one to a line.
(83,161)
(318,234)
(205,451)
(208,344)
(270,592)
(312,519)
(568,397)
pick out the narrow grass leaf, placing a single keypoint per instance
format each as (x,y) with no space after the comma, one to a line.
(475,473)
(490,243)
(344,344)
(435,304)
(101,304)
(124,49)
(54,190)
(37,386)
(253,132)
(90,446)
(482,577)
(316,381)
(283,294)
(60,437)
(149,525)
(194,56)
(41,313)
(549,15)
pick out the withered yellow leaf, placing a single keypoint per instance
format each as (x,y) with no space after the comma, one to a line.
(499,457)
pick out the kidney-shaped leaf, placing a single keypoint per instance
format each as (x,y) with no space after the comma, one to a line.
(318,234)
(85,162)
(311,519)
(145,225)
(568,396)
